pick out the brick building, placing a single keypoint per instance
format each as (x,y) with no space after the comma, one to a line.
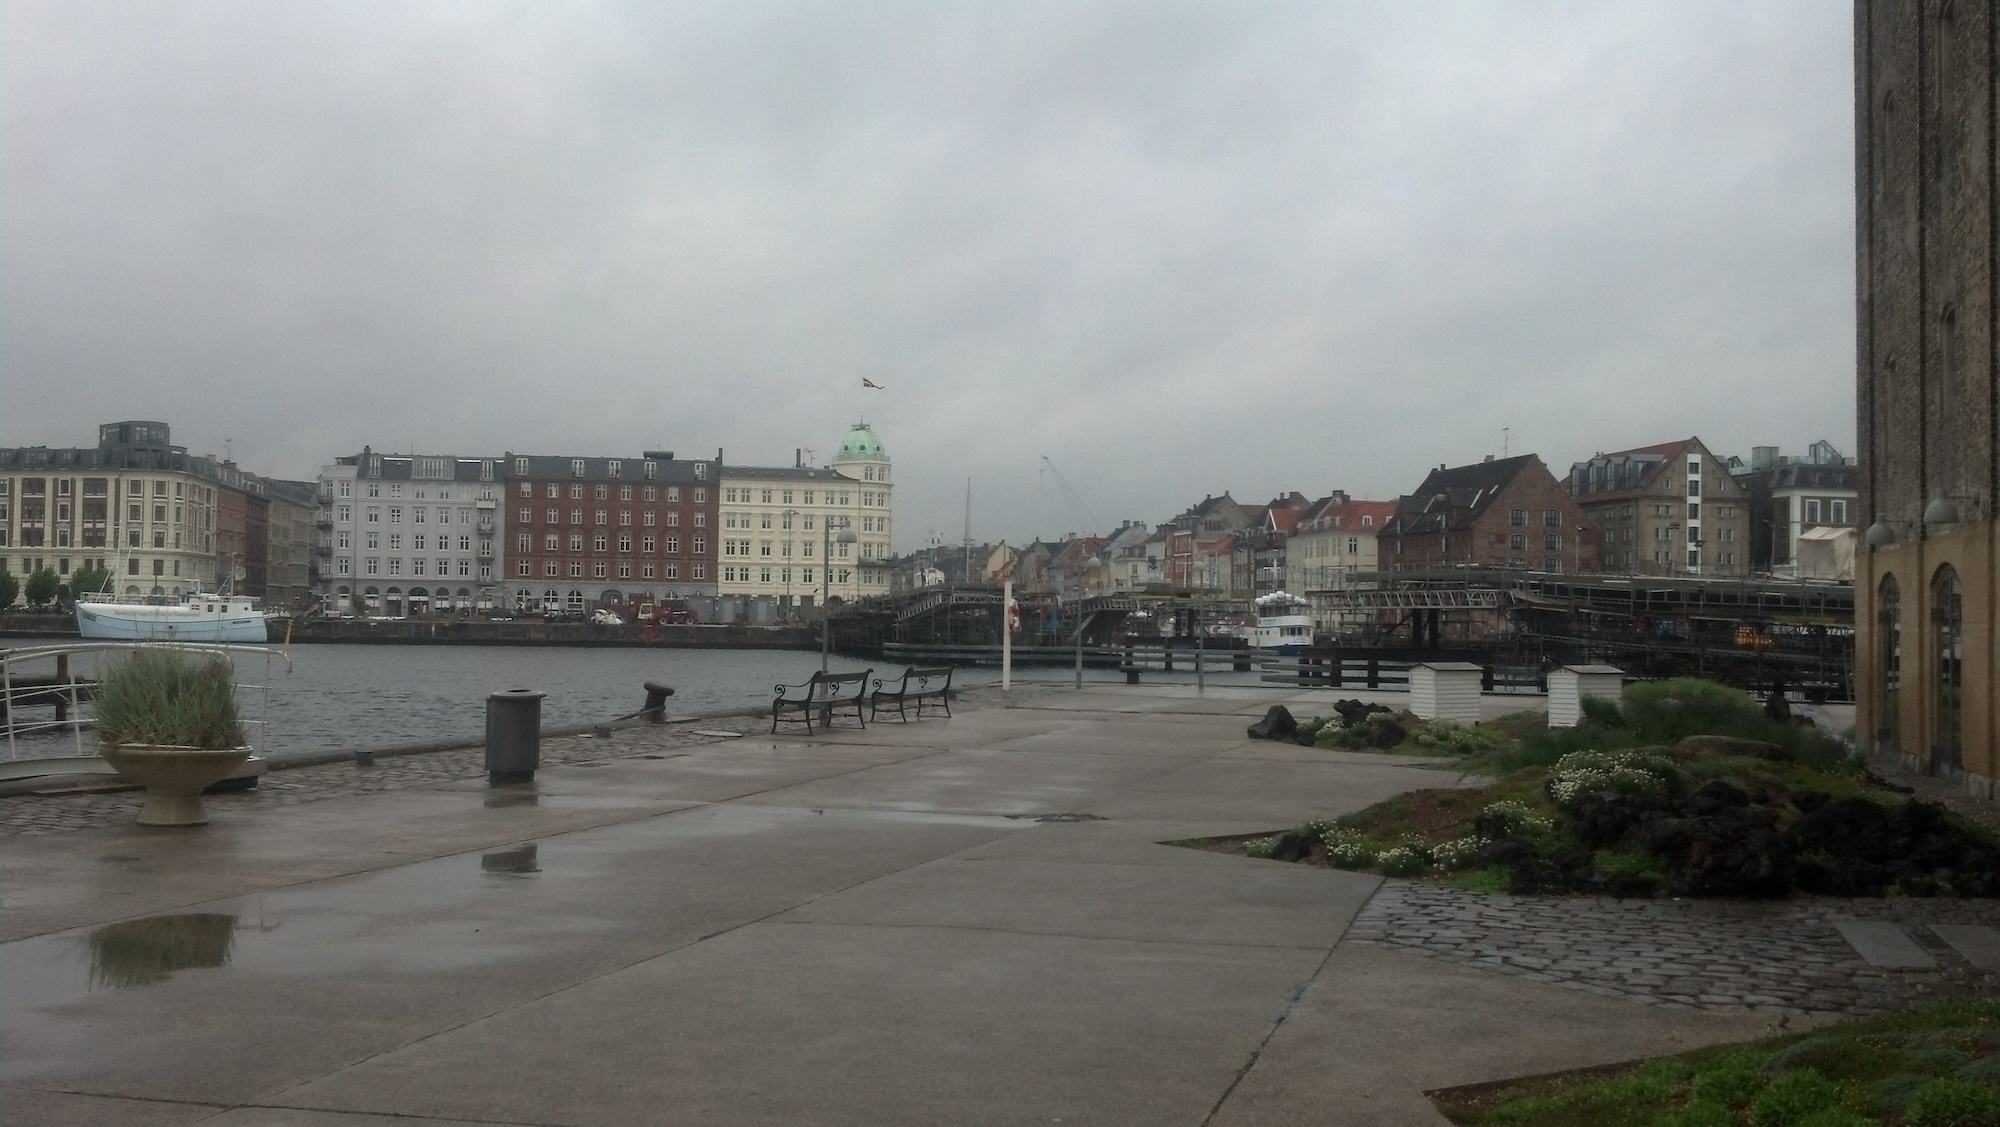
(1509,512)
(1927,257)
(1665,509)
(584,533)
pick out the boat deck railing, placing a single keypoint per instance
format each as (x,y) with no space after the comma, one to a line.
(46,693)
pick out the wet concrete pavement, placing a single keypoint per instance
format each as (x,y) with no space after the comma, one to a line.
(966,920)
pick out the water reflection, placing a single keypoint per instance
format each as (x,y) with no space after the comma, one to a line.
(520,859)
(142,952)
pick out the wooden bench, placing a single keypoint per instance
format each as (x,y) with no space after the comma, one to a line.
(822,693)
(915,686)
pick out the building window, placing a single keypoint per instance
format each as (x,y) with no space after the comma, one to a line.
(597,542)
(624,543)
(597,570)
(1837,511)
(700,571)
(1948,615)
(576,467)
(673,571)
(652,470)
(552,569)
(576,569)
(524,569)
(615,468)
(1812,510)
(1518,542)
(673,545)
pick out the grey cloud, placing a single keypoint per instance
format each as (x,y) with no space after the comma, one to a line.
(1178,248)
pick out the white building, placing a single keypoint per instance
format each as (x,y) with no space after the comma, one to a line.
(784,529)
(409,533)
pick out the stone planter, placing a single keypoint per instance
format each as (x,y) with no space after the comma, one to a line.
(174,778)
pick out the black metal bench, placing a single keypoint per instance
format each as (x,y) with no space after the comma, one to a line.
(915,686)
(822,693)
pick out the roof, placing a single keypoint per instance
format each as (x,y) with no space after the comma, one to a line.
(544,467)
(859,444)
(783,473)
(1341,513)
(1454,497)
(1623,472)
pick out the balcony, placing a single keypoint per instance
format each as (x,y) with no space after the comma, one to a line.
(486,528)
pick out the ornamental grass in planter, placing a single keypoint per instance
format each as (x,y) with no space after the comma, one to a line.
(167,720)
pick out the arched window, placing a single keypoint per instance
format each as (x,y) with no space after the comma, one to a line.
(372,598)
(1948,623)
(1889,656)
(551,600)
(576,602)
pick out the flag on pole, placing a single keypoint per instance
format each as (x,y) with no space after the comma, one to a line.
(866,382)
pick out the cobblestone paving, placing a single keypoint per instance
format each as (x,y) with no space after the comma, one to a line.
(28,815)
(1781,956)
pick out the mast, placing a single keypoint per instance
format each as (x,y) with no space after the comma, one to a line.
(968,531)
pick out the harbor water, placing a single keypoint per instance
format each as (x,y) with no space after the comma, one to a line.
(359,696)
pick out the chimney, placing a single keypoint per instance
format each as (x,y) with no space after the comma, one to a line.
(798,457)
(1489,457)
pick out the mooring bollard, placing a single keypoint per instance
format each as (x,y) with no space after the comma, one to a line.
(513,736)
(655,711)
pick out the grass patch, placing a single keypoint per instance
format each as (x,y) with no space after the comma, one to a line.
(1882,1070)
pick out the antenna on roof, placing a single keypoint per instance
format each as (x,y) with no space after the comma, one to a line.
(1503,440)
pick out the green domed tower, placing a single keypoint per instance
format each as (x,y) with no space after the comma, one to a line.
(863,459)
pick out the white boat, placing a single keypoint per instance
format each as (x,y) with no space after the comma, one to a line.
(191,618)
(1280,625)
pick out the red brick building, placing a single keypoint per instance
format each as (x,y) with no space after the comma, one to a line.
(1506,513)
(583,533)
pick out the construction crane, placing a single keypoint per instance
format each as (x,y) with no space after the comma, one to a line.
(1091,525)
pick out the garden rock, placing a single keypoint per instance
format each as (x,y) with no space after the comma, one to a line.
(1292,845)
(1353,712)
(1277,724)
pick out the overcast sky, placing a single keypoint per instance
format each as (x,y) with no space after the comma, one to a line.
(1176,248)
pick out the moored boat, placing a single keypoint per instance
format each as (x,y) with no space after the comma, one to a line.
(192,618)
(1281,625)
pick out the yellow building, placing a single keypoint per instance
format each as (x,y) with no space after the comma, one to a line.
(798,533)
(134,504)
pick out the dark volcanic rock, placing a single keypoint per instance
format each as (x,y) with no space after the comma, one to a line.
(1292,845)
(1353,712)
(1277,724)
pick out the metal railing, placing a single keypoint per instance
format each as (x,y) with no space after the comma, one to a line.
(46,677)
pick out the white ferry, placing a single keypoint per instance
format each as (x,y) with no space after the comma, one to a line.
(1281,625)
(190,618)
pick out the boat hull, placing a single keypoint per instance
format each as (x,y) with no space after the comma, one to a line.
(115,623)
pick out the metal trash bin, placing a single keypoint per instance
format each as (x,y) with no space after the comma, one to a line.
(513,736)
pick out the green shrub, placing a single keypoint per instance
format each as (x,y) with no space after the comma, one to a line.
(1835,1117)
(1448,737)
(1669,711)
(1791,1097)
(169,698)
(1602,712)
(1953,1103)
(1403,861)
(1699,1113)
(1985,1070)
(1734,1079)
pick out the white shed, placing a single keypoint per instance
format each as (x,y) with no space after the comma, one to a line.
(1446,690)
(1569,684)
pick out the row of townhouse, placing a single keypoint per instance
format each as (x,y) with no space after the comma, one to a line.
(162,522)
(408,534)
(1669,508)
